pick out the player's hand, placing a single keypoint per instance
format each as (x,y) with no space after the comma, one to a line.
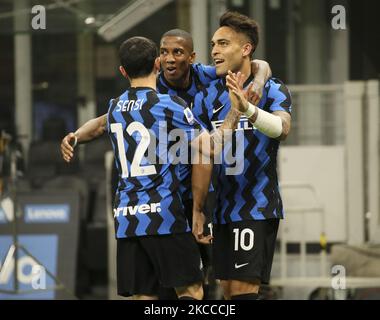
(238,96)
(255,92)
(198,223)
(67,149)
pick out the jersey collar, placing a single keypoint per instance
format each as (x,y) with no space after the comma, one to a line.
(167,84)
(141,88)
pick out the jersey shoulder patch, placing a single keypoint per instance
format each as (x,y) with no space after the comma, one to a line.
(189,116)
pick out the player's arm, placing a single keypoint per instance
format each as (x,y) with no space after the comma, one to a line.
(87,132)
(201,163)
(275,125)
(200,182)
(262,72)
(208,144)
(201,172)
(233,117)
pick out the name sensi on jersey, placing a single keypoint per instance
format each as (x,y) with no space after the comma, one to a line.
(129,105)
(139,209)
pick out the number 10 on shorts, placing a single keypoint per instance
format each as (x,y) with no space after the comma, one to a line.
(244,239)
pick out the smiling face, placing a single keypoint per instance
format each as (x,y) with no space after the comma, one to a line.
(230,50)
(176,57)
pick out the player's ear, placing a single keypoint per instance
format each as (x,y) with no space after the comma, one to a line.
(123,72)
(192,57)
(247,49)
(157,64)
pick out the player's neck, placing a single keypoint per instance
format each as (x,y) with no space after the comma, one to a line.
(149,81)
(246,69)
(182,83)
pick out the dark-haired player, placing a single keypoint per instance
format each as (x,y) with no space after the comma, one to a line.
(248,204)
(154,244)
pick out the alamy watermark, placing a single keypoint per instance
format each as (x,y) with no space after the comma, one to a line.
(38,277)
(338,280)
(39,17)
(165,145)
(29,272)
(338,21)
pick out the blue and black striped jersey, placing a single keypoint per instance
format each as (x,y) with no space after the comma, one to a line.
(248,189)
(148,199)
(200,77)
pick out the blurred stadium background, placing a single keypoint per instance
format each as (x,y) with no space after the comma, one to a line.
(52,80)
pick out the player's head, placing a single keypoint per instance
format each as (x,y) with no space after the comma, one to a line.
(234,42)
(138,57)
(176,55)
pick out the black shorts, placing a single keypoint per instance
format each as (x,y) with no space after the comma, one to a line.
(145,263)
(244,250)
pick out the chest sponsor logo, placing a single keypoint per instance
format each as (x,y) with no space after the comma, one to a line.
(139,209)
(243,124)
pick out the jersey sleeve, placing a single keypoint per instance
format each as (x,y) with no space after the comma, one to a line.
(278,97)
(205,73)
(111,107)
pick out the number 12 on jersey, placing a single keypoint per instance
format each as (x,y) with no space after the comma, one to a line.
(136,168)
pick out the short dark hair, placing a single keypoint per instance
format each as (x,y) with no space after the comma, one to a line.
(181,34)
(241,24)
(137,56)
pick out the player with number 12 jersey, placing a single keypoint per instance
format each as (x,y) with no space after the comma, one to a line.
(148,200)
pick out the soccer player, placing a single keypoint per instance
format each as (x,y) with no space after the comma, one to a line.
(248,204)
(154,243)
